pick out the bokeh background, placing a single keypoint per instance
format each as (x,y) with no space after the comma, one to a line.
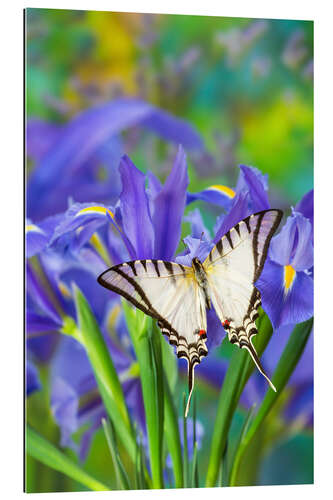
(246,85)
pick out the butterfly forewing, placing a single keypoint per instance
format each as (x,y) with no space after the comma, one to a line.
(168,292)
(232,268)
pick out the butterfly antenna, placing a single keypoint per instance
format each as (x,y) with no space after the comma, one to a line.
(256,360)
(191,367)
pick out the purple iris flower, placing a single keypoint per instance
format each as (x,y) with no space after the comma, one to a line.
(68,158)
(286,283)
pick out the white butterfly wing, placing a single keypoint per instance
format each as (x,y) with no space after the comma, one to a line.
(168,292)
(232,268)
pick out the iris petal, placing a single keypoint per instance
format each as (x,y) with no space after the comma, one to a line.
(134,207)
(169,207)
(284,308)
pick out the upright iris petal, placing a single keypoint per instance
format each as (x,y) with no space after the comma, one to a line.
(169,207)
(134,206)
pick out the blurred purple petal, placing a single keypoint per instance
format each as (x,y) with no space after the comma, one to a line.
(212,370)
(39,296)
(169,207)
(84,136)
(173,129)
(136,219)
(64,407)
(35,323)
(32,378)
(40,136)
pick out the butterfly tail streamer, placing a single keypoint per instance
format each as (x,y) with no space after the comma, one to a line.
(191,367)
(249,347)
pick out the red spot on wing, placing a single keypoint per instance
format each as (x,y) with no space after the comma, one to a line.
(202,332)
(226,323)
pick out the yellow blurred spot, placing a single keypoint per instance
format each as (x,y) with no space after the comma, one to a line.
(95,209)
(289,276)
(113,316)
(223,189)
(134,370)
(64,290)
(32,227)
(98,245)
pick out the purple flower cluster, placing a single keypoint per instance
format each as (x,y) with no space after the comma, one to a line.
(143,220)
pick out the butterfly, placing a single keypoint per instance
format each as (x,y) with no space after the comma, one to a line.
(177,296)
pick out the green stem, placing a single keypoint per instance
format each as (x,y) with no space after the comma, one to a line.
(42,450)
(285,368)
(239,371)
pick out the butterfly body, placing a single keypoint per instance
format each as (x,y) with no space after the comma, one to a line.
(177,296)
(201,277)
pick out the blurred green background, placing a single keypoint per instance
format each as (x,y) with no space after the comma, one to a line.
(245,84)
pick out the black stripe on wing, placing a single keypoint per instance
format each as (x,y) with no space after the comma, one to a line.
(233,238)
(192,352)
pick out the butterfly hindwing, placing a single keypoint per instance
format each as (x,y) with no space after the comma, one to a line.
(168,292)
(232,268)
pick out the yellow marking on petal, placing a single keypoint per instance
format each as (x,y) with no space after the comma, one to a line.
(32,227)
(223,189)
(95,209)
(64,290)
(289,276)
(99,246)
(113,316)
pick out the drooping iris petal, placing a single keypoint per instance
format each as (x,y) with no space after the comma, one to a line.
(32,378)
(134,206)
(169,207)
(217,194)
(40,135)
(80,215)
(36,239)
(286,300)
(173,129)
(38,236)
(305,206)
(84,135)
(253,181)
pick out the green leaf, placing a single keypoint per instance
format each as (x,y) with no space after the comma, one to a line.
(240,368)
(147,348)
(44,451)
(172,436)
(105,372)
(123,482)
(288,361)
